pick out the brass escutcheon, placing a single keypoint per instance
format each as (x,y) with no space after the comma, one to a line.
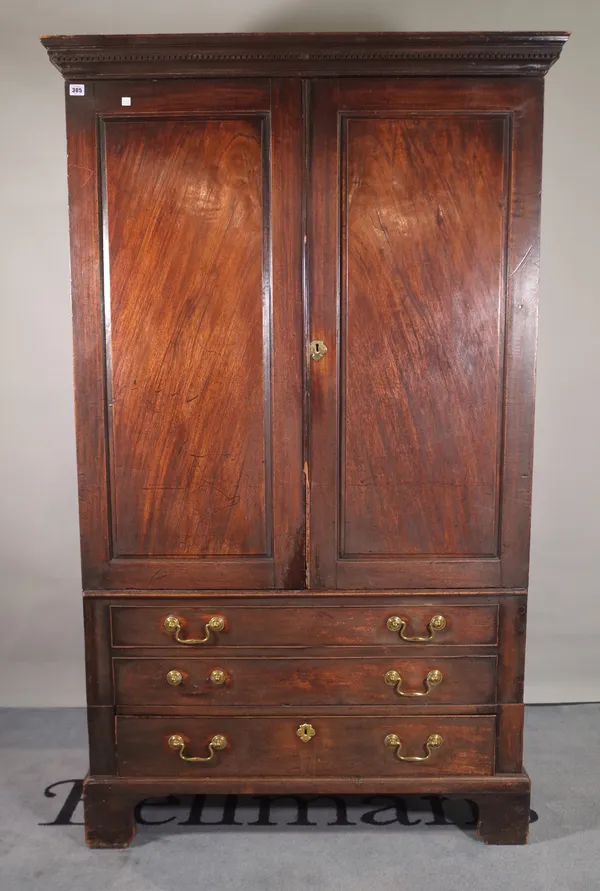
(317,350)
(306,732)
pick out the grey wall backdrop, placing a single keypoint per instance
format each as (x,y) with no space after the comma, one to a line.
(41,653)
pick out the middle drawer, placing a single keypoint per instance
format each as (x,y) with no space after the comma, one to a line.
(457,680)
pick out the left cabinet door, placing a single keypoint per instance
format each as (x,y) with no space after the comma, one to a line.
(185,217)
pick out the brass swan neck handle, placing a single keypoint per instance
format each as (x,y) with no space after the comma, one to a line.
(433,742)
(178,743)
(394,679)
(173,625)
(399,624)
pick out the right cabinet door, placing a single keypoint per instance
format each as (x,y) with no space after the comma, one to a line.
(423,224)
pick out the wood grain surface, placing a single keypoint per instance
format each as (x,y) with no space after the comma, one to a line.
(188,390)
(422,344)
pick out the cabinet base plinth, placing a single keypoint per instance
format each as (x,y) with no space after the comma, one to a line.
(502,801)
(504,818)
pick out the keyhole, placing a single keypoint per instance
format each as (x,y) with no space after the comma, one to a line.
(317,350)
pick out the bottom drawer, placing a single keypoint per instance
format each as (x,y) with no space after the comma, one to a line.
(298,746)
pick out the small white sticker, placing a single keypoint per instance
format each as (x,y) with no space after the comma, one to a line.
(125,100)
(76,89)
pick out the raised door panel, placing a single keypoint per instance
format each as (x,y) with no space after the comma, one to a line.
(424,207)
(424,215)
(201,327)
(189,396)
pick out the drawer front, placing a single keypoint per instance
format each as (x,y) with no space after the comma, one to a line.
(311,626)
(304,682)
(272,746)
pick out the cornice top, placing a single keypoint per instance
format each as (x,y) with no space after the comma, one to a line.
(507,53)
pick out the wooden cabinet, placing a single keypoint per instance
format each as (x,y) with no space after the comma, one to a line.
(304,282)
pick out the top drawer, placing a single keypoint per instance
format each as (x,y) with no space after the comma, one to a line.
(406,623)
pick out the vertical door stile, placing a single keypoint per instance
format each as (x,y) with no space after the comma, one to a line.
(323,229)
(289,515)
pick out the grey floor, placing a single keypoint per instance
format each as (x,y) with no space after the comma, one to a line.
(42,846)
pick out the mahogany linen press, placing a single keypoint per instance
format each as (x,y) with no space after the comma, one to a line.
(304,273)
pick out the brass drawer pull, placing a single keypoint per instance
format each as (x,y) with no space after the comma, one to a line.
(178,743)
(175,677)
(173,625)
(433,742)
(394,679)
(396,623)
(217,677)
